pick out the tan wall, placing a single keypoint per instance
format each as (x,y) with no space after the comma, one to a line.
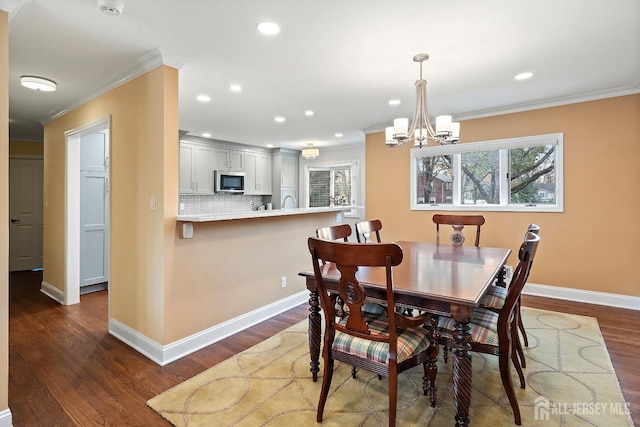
(143,132)
(26,148)
(593,244)
(230,268)
(4,211)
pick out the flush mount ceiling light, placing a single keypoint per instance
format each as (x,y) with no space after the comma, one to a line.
(310,153)
(38,83)
(111,7)
(421,131)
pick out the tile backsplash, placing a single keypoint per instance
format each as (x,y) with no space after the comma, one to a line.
(219,203)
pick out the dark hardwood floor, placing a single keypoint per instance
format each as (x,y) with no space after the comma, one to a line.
(66,370)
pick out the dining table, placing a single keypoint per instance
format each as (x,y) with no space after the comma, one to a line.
(445,280)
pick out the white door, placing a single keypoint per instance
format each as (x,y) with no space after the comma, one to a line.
(25,213)
(94,208)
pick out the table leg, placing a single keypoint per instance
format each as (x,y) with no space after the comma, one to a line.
(314,333)
(462,363)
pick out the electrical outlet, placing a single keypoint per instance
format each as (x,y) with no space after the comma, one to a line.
(283,282)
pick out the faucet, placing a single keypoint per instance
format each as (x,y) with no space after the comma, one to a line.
(284,199)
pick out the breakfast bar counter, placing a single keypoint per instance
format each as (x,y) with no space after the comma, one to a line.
(259,214)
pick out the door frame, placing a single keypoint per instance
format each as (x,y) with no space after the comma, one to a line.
(72,207)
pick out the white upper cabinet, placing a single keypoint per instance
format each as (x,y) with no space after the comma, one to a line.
(257,166)
(196,168)
(229,159)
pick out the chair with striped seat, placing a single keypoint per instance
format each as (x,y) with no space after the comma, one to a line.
(494,300)
(386,345)
(493,333)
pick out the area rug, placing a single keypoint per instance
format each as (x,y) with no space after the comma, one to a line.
(570,382)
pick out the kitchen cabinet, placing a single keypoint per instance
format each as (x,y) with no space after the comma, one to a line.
(257,167)
(196,168)
(229,159)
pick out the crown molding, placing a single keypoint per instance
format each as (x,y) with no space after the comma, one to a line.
(16,9)
(146,63)
(631,89)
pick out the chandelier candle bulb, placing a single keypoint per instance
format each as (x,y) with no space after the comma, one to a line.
(443,125)
(400,128)
(455,130)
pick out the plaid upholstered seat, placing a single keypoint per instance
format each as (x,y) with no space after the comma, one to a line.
(410,342)
(483,327)
(494,298)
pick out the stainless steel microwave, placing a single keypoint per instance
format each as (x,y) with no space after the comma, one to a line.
(229,181)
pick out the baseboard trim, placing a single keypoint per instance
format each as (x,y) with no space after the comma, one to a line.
(52,292)
(164,355)
(6,418)
(580,295)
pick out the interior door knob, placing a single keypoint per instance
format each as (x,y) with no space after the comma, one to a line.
(15,220)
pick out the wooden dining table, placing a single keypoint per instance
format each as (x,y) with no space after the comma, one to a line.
(442,279)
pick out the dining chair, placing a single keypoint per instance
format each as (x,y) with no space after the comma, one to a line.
(366,229)
(334,232)
(385,345)
(493,333)
(495,298)
(457,222)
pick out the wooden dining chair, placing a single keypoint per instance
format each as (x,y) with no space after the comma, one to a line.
(365,231)
(385,345)
(493,333)
(494,300)
(458,222)
(334,232)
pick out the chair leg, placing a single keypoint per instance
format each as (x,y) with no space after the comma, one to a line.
(353,372)
(517,348)
(522,331)
(505,375)
(326,383)
(516,363)
(393,396)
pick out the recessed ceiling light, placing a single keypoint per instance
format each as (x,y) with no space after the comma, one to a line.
(206,135)
(268,28)
(235,88)
(308,113)
(38,83)
(338,135)
(279,119)
(269,145)
(394,102)
(203,98)
(524,76)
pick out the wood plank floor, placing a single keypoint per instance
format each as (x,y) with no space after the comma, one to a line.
(66,370)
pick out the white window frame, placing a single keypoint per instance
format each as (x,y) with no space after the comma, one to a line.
(355,176)
(502,145)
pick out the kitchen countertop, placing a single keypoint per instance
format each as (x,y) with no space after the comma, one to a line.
(259,214)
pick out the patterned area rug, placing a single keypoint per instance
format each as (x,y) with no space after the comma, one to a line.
(570,382)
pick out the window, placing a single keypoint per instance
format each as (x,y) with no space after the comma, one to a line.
(518,174)
(334,185)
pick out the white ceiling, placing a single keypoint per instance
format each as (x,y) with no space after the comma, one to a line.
(343,59)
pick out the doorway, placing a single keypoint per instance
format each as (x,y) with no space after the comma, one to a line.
(87,209)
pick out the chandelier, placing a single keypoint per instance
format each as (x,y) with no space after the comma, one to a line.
(310,153)
(421,131)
